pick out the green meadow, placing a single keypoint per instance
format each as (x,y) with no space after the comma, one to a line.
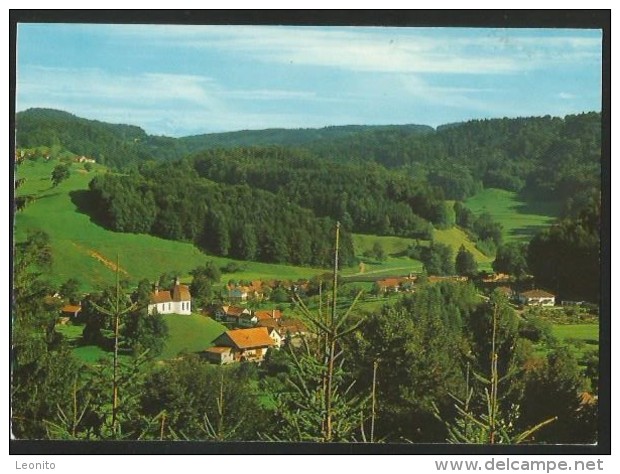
(520,218)
(88,252)
(582,338)
(391,245)
(189,333)
(455,237)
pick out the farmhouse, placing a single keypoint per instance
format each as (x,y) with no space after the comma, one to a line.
(395,285)
(237,294)
(275,336)
(285,327)
(236,315)
(495,277)
(245,345)
(83,159)
(537,297)
(273,314)
(176,301)
(71,310)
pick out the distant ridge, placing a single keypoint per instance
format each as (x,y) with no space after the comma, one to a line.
(121,144)
(291,137)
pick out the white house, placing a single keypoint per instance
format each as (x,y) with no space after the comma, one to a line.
(176,301)
(275,337)
(537,297)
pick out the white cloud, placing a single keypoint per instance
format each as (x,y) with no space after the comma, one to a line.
(161,103)
(566,96)
(387,50)
(80,83)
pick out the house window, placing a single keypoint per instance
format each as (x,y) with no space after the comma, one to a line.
(169,306)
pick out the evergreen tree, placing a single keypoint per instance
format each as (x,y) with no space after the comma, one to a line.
(511,258)
(465,263)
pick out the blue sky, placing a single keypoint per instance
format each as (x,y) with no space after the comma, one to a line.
(184,80)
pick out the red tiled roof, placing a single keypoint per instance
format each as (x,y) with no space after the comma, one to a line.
(293,325)
(268,314)
(389,282)
(180,293)
(537,294)
(161,297)
(70,308)
(234,310)
(268,323)
(249,338)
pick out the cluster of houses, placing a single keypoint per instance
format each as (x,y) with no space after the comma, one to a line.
(254,328)
(407,284)
(22,154)
(255,333)
(533,297)
(257,290)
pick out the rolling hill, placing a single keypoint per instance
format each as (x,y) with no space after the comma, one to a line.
(119,144)
(86,251)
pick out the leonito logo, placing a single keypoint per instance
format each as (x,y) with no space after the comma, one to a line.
(35,466)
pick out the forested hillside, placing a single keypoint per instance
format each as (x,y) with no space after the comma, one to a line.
(366,199)
(550,156)
(553,157)
(170,200)
(109,144)
(273,201)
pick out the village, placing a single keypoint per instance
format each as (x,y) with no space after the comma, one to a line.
(251,333)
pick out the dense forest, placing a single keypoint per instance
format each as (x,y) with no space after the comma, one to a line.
(549,156)
(171,201)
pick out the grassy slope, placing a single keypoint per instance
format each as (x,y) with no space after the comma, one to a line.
(392,265)
(186,334)
(189,334)
(391,245)
(455,237)
(74,238)
(395,265)
(521,219)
